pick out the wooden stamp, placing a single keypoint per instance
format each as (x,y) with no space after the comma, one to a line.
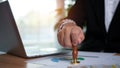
(75,54)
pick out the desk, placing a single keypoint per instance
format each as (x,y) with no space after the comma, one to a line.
(10,61)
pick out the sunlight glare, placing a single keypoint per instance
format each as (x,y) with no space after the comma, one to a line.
(22,7)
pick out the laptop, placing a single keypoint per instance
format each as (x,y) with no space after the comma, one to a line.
(11,41)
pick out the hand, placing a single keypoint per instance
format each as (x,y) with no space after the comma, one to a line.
(69,35)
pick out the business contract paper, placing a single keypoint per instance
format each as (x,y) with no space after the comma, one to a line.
(87,60)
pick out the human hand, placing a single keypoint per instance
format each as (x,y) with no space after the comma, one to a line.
(69,35)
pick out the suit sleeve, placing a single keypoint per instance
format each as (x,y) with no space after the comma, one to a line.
(78,12)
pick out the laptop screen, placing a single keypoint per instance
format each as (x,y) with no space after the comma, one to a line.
(9,37)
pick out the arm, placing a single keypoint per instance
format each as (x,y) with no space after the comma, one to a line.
(78,12)
(70,33)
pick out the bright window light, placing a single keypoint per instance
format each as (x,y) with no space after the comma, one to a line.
(35,20)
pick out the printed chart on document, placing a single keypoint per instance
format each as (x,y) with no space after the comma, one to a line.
(87,60)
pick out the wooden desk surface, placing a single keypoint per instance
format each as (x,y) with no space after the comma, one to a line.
(10,61)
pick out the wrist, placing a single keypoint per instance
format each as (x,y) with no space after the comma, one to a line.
(65,22)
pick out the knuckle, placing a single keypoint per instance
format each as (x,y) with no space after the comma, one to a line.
(73,32)
(67,29)
(68,45)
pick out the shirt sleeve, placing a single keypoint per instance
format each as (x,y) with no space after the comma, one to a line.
(78,12)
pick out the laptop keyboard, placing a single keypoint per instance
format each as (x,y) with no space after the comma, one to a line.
(32,51)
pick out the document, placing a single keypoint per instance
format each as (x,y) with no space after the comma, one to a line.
(87,60)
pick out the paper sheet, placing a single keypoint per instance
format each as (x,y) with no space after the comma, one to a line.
(94,59)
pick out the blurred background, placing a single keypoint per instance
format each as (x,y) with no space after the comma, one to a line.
(35,20)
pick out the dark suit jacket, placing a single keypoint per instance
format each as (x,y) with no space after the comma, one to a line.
(91,13)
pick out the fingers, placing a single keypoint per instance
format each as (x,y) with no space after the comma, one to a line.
(77,35)
(67,37)
(81,36)
(64,37)
(74,36)
(70,35)
(60,36)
